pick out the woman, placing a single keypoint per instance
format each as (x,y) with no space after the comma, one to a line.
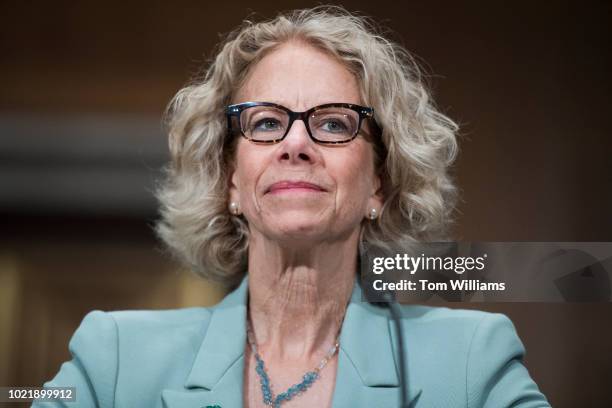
(308,134)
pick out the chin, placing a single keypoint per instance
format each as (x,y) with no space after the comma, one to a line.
(299,229)
(302,231)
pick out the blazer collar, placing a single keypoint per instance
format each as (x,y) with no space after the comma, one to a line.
(366,342)
(368,354)
(216,376)
(367,367)
(224,341)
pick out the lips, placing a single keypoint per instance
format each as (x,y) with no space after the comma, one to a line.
(287,185)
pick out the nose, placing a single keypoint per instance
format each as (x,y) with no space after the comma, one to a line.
(297,147)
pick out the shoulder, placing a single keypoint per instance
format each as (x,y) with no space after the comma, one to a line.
(143,324)
(154,320)
(460,322)
(141,332)
(433,314)
(137,332)
(479,352)
(153,317)
(463,335)
(107,345)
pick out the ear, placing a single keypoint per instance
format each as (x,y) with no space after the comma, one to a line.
(377,198)
(234,182)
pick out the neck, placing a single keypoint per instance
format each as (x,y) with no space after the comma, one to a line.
(297,298)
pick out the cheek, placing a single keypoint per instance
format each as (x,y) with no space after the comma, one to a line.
(247,159)
(250,165)
(354,178)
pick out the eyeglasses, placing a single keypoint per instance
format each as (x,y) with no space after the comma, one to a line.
(266,122)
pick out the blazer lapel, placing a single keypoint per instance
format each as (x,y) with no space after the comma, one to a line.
(216,377)
(367,363)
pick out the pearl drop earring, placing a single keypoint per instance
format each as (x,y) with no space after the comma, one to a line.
(373,214)
(233,208)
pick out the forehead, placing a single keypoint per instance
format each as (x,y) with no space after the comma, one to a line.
(299,76)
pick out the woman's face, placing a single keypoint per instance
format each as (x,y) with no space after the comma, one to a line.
(298,190)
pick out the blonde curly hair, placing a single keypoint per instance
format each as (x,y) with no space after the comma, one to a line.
(417,142)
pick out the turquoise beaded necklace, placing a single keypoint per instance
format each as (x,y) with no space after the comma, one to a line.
(307,379)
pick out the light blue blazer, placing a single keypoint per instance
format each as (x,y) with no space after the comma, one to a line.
(194,358)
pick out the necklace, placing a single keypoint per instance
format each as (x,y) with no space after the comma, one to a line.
(307,379)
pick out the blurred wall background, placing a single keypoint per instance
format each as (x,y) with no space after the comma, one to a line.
(83,86)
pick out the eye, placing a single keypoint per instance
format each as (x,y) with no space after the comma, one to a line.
(267,125)
(334,125)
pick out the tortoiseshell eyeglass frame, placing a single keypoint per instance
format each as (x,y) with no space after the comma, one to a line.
(234,111)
